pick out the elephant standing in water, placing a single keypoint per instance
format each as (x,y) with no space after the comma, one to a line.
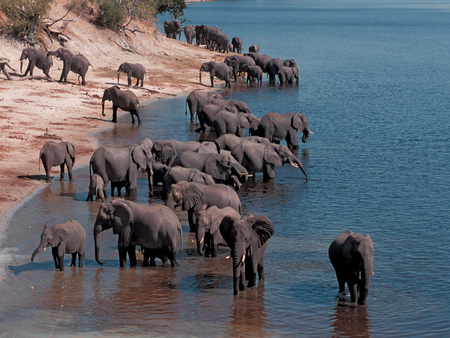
(54,154)
(123,99)
(352,257)
(78,64)
(38,58)
(68,237)
(165,151)
(217,69)
(247,238)
(135,70)
(288,75)
(197,99)
(96,188)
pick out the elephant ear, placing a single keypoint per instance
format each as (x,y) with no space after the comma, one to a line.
(214,167)
(139,155)
(298,121)
(167,152)
(271,156)
(226,230)
(70,149)
(59,236)
(122,216)
(263,229)
(244,121)
(192,197)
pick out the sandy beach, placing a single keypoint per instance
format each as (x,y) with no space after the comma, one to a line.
(33,111)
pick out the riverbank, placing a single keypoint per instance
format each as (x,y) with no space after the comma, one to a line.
(35,111)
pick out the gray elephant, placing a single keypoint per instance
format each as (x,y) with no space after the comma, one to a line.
(207,147)
(248,239)
(236,62)
(237,44)
(253,49)
(222,167)
(135,70)
(152,226)
(273,67)
(189,33)
(207,34)
(217,69)
(165,151)
(193,196)
(197,99)
(36,58)
(208,234)
(78,64)
(96,187)
(208,113)
(260,60)
(229,141)
(240,106)
(232,123)
(177,174)
(120,164)
(123,99)
(172,28)
(287,75)
(221,41)
(54,154)
(277,127)
(68,237)
(352,257)
(263,157)
(253,73)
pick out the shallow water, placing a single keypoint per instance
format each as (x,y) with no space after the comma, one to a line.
(374,86)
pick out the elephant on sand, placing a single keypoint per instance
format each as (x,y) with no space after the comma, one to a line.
(123,99)
(352,257)
(68,237)
(78,64)
(189,33)
(172,28)
(152,226)
(237,44)
(135,70)
(197,99)
(54,154)
(247,238)
(217,69)
(36,58)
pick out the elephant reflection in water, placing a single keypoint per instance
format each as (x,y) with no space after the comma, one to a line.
(351,320)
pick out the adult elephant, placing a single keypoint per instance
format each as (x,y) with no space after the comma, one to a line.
(36,58)
(221,41)
(288,75)
(189,33)
(197,99)
(208,33)
(193,196)
(277,127)
(223,168)
(237,44)
(135,70)
(232,123)
(54,154)
(152,226)
(165,151)
(236,62)
(123,99)
(207,233)
(172,28)
(239,106)
(178,174)
(208,113)
(352,258)
(263,157)
(273,67)
(121,164)
(253,49)
(248,239)
(253,73)
(261,60)
(217,69)
(229,141)
(78,64)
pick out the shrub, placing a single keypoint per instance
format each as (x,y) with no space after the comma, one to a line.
(112,13)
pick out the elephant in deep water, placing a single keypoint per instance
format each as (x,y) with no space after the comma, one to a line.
(193,196)
(277,127)
(217,69)
(135,70)
(38,58)
(197,99)
(57,154)
(352,258)
(237,44)
(78,64)
(68,237)
(172,28)
(248,239)
(123,99)
(152,226)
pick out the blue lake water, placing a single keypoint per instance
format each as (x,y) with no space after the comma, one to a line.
(375,84)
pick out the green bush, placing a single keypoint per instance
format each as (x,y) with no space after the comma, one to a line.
(112,13)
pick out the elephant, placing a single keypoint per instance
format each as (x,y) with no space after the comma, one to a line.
(207,147)
(288,74)
(290,63)
(119,185)
(277,127)
(263,157)
(152,226)
(237,44)
(96,187)
(232,123)
(237,62)
(177,174)
(189,33)
(248,239)
(54,154)
(120,164)
(193,196)
(253,72)
(221,41)
(222,167)
(352,257)
(197,99)
(229,141)
(239,106)
(172,28)
(199,35)
(217,69)
(68,237)
(123,99)
(135,70)
(260,60)
(253,49)
(78,64)
(165,151)
(208,113)
(207,34)
(208,235)
(36,58)
(273,67)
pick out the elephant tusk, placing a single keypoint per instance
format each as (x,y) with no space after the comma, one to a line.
(294,164)
(243,259)
(151,172)
(309,131)
(201,241)
(45,248)
(228,257)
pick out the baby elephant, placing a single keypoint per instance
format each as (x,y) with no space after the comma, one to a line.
(68,237)
(96,187)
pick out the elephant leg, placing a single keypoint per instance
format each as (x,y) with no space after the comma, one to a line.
(69,170)
(214,250)
(80,259)
(269,172)
(61,262)
(129,79)
(352,286)
(55,258)
(122,257)
(192,223)
(153,260)
(132,254)
(146,257)
(62,172)
(132,112)
(212,80)
(114,119)
(74,259)
(172,256)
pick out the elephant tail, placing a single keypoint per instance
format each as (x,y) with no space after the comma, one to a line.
(181,237)
(185,106)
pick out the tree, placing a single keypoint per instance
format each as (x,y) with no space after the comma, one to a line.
(174,7)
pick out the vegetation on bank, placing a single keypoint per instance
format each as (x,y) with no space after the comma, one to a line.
(26,20)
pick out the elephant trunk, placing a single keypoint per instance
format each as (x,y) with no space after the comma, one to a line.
(21,63)
(366,274)
(305,136)
(200,76)
(97,230)
(238,262)
(103,107)
(296,163)
(200,241)
(170,203)
(42,246)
